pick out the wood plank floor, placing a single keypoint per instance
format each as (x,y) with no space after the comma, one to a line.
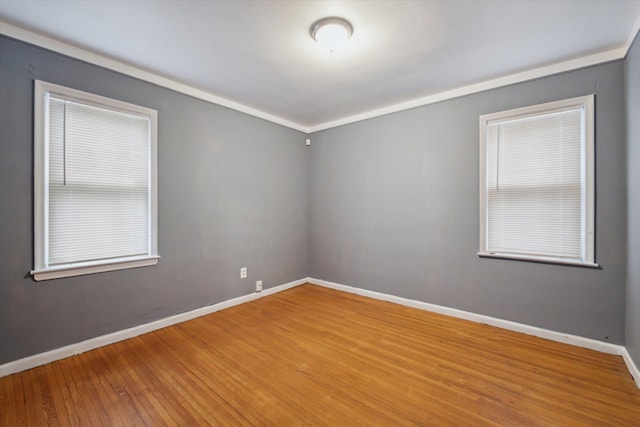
(314,356)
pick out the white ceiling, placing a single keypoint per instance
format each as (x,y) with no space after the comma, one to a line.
(259,53)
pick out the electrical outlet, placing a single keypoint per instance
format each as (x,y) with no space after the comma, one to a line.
(258,285)
(243,273)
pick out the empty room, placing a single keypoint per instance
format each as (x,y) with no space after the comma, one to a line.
(319,213)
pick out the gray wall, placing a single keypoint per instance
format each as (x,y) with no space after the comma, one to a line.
(233,192)
(632,80)
(394,208)
(388,204)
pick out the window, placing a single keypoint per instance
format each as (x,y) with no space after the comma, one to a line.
(95,206)
(537,183)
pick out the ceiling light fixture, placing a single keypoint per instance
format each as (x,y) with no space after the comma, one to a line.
(332,32)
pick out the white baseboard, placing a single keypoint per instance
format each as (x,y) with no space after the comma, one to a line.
(93,343)
(575,340)
(480,318)
(633,369)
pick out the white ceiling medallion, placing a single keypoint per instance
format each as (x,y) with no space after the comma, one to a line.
(331,33)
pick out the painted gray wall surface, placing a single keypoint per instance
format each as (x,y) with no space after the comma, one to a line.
(394,209)
(233,192)
(632,80)
(389,204)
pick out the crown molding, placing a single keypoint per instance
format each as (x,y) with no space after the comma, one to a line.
(76,52)
(523,76)
(632,36)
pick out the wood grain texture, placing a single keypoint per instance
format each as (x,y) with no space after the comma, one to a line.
(319,357)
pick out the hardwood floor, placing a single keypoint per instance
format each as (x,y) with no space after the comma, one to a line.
(315,356)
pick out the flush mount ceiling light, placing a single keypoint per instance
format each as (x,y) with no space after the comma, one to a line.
(331,33)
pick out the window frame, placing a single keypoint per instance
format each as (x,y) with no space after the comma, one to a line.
(587,169)
(42,270)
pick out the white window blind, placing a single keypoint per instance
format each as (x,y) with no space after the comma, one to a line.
(98,183)
(537,195)
(95,184)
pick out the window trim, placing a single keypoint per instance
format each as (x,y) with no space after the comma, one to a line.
(42,271)
(587,171)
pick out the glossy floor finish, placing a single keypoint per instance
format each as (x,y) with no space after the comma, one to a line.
(314,356)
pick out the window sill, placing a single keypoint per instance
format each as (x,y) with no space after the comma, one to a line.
(79,269)
(543,259)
